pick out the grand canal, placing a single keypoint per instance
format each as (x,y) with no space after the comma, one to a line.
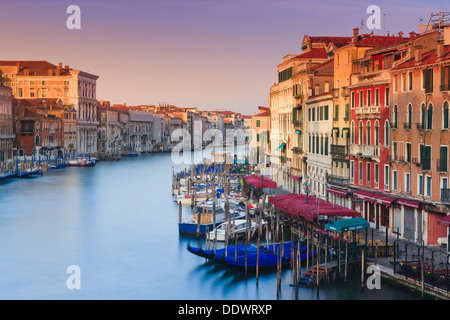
(118,223)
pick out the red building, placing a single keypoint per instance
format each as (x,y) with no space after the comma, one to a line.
(370,94)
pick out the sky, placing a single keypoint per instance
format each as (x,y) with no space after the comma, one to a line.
(209,54)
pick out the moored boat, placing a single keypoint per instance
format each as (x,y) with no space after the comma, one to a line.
(238,227)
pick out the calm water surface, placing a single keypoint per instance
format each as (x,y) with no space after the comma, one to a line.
(118,223)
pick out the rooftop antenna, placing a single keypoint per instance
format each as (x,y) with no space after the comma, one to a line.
(384,24)
(362,26)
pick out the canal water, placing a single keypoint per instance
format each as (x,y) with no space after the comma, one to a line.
(117,222)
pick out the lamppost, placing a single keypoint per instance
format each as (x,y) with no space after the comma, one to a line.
(307,187)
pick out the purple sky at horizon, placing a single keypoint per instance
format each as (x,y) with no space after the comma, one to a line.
(191,53)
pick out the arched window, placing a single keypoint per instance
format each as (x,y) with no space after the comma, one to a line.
(430,117)
(386,133)
(395,117)
(360,132)
(409,116)
(37,140)
(353,132)
(422,115)
(377,133)
(368,134)
(445,115)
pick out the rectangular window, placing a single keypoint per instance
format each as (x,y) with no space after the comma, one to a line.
(376,173)
(426,158)
(420,184)
(377,97)
(361,97)
(352,169)
(445,78)
(428,186)
(386,96)
(386,176)
(410,82)
(394,150)
(353,99)
(427,77)
(325,112)
(309,114)
(394,179)
(369,98)
(320,113)
(360,172)
(408,152)
(258,123)
(368,173)
(442,162)
(407,183)
(336,113)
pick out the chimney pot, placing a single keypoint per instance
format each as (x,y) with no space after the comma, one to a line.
(400,34)
(355,34)
(60,65)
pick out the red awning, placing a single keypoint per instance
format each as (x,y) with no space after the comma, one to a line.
(382,199)
(408,203)
(445,221)
(339,192)
(363,195)
(255,180)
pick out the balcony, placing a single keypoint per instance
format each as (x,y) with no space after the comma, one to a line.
(394,125)
(297,150)
(445,87)
(297,123)
(337,181)
(429,89)
(338,150)
(407,125)
(364,151)
(420,126)
(445,195)
(367,110)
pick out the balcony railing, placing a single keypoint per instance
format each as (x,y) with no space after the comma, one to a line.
(338,150)
(364,151)
(445,87)
(407,125)
(367,110)
(420,126)
(394,125)
(297,123)
(445,195)
(337,180)
(428,89)
(297,150)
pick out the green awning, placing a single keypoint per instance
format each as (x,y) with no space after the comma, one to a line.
(348,225)
(345,129)
(304,47)
(280,146)
(298,131)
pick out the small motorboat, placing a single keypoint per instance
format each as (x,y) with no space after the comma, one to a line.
(238,227)
(79,162)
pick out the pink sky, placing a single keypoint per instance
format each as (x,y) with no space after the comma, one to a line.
(208,54)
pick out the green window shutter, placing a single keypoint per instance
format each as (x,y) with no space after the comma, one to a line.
(443,158)
(347,111)
(258,123)
(326,146)
(336,113)
(446,115)
(325,113)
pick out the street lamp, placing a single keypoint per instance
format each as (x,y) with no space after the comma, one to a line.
(307,187)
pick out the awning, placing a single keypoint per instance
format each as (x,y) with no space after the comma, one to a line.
(339,192)
(408,203)
(298,131)
(337,129)
(304,47)
(280,146)
(445,221)
(363,195)
(294,177)
(382,199)
(348,225)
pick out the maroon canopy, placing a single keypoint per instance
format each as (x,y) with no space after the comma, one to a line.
(255,180)
(295,205)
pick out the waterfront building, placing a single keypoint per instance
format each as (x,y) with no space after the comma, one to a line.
(41,79)
(140,131)
(260,135)
(37,132)
(419,129)
(318,127)
(286,102)
(6,126)
(370,170)
(109,142)
(344,56)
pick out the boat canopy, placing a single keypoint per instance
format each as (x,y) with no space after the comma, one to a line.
(348,225)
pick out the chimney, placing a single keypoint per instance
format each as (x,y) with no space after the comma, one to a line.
(18,67)
(417,54)
(60,65)
(66,67)
(446,36)
(439,50)
(400,34)
(355,34)
(412,34)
